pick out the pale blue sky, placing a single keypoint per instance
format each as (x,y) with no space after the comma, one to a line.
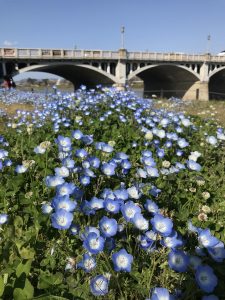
(153,25)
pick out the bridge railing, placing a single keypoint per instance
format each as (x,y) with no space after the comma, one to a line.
(57,53)
(102,54)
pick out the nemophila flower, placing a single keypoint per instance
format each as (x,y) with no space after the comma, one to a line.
(194,155)
(94,162)
(20,169)
(85,180)
(53,181)
(77,134)
(154,191)
(65,189)
(161,294)
(206,279)
(206,239)
(178,260)
(107,148)
(87,139)
(63,202)
(162,225)
(89,229)
(63,142)
(121,193)
(89,173)
(192,165)
(141,173)
(172,241)
(96,203)
(108,227)
(81,153)
(134,192)
(152,172)
(217,252)
(74,229)
(108,169)
(168,144)
(125,164)
(99,285)
(62,172)
(39,150)
(94,243)
(3,154)
(122,261)
(146,153)
(182,143)
(160,153)
(46,208)
(3,218)
(148,161)
(212,140)
(129,209)
(140,222)
(68,162)
(88,263)
(112,205)
(61,219)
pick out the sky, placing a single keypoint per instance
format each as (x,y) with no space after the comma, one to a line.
(153,25)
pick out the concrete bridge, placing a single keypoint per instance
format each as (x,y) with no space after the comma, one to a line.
(195,77)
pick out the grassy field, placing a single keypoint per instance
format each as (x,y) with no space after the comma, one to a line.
(206,110)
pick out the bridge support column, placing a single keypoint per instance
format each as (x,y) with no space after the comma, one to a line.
(4,69)
(121,69)
(198,91)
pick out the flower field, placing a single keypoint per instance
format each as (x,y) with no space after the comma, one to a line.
(102,195)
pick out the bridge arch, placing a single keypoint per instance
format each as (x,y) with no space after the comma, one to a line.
(166,80)
(217,84)
(76,73)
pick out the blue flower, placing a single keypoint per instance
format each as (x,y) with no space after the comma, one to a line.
(108,169)
(178,260)
(162,225)
(108,227)
(53,181)
(62,172)
(129,209)
(77,134)
(217,252)
(65,189)
(63,202)
(20,169)
(112,206)
(88,263)
(206,239)
(206,279)
(151,206)
(3,218)
(61,219)
(161,294)
(140,222)
(46,208)
(193,165)
(99,285)
(122,261)
(94,243)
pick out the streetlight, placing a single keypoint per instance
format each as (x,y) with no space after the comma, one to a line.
(122,37)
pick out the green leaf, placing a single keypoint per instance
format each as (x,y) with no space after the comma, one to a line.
(23,267)
(27,253)
(2,286)
(46,280)
(24,294)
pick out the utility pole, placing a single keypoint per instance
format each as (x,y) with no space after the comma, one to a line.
(122,37)
(208,43)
